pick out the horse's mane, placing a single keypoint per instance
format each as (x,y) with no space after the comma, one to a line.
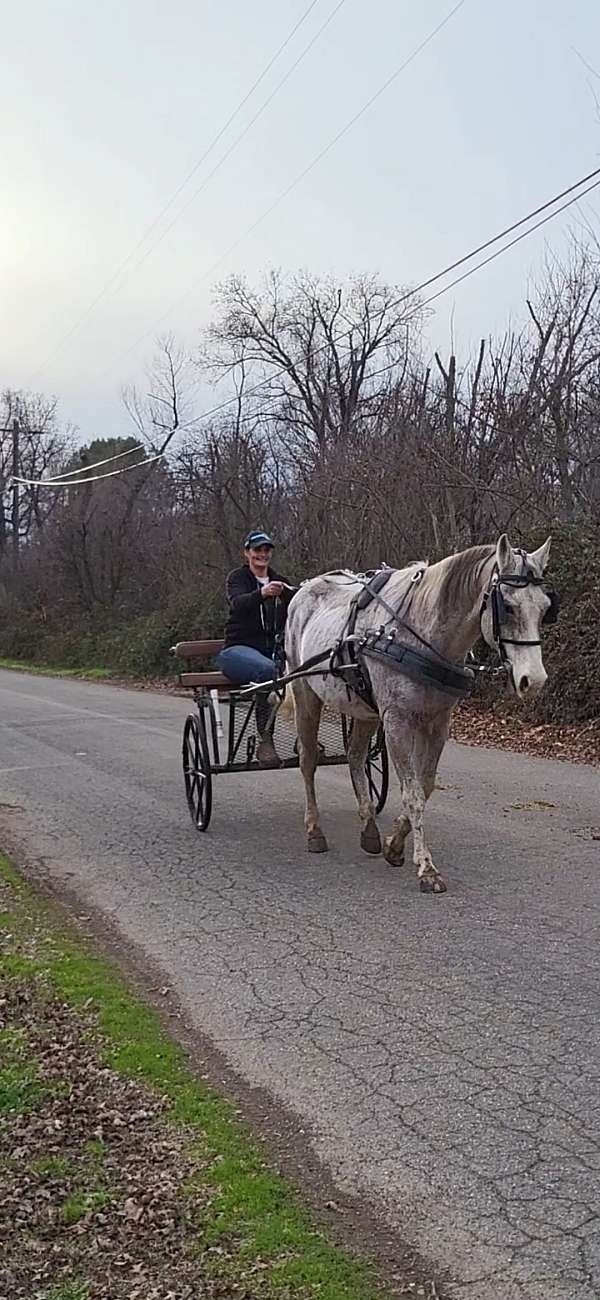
(447,585)
(455,581)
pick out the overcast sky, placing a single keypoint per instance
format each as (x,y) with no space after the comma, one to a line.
(107,106)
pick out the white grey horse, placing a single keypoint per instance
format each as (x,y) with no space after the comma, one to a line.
(448,605)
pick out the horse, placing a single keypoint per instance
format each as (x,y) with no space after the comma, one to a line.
(438,611)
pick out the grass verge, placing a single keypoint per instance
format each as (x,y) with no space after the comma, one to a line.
(45,670)
(124,1174)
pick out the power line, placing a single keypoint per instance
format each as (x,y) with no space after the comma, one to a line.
(238,139)
(156,221)
(549,217)
(575,197)
(96,464)
(508,230)
(499,251)
(93,478)
(297,179)
(418,289)
(264,383)
(440,274)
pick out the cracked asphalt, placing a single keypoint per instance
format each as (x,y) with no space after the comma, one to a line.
(441,1054)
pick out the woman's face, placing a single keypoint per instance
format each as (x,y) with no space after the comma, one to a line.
(258,557)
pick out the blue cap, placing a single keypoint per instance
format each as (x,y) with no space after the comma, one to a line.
(257,539)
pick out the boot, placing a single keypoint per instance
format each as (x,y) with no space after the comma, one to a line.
(266,754)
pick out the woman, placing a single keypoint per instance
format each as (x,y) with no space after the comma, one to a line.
(257,599)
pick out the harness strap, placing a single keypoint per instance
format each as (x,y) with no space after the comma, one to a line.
(440,674)
(348,654)
(372,588)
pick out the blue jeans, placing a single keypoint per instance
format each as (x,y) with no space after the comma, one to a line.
(241,664)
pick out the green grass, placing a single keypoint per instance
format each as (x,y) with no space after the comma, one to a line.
(95,1151)
(20,1089)
(48,670)
(81,1202)
(67,1291)
(51,1166)
(251,1205)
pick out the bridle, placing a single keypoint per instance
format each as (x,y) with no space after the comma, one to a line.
(494,597)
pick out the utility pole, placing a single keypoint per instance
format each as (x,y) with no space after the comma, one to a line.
(15,430)
(15,492)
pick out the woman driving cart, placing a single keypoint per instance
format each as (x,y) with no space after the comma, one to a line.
(257,599)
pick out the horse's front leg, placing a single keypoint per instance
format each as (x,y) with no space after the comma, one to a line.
(415,756)
(308,715)
(358,748)
(430,879)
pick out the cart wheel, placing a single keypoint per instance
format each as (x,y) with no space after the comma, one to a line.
(377,769)
(197,771)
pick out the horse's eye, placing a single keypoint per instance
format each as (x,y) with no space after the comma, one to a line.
(509,607)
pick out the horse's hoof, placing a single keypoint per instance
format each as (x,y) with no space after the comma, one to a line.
(432,885)
(370,839)
(393,858)
(317,842)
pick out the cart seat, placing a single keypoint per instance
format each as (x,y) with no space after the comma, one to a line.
(211,681)
(207,650)
(197,649)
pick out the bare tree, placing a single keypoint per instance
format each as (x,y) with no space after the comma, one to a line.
(314,346)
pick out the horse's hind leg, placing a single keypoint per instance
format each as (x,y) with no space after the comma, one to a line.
(308,715)
(358,747)
(393,845)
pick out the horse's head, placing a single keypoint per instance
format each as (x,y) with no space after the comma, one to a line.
(515,606)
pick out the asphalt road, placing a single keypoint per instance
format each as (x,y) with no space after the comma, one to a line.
(441,1054)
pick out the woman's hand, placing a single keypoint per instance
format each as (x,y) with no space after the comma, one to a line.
(271,590)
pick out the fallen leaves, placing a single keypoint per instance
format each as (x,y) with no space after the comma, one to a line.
(94,1180)
(473,725)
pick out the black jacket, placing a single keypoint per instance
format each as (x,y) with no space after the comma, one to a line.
(253,621)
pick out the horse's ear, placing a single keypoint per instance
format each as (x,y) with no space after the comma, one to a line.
(504,553)
(542,555)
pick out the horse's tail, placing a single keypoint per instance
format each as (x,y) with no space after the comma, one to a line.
(287,708)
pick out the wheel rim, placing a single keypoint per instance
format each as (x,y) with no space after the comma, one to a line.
(377,772)
(196,774)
